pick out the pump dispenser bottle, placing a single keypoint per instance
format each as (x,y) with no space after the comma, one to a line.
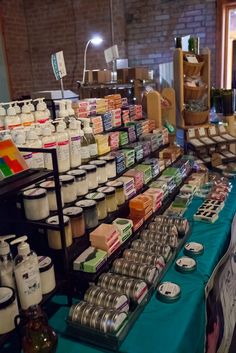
(2,117)
(32,108)
(88,133)
(27,118)
(69,108)
(85,152)
(17,107)
(48,141)
(75,144)
(6,263)
(34,142)
(63,113)
(20,142)
(41,114)
(12,120)
(63,149)
(27,274)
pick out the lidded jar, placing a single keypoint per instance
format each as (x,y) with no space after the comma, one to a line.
(76,215)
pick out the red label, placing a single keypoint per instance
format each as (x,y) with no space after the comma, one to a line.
(42,121)
(63,143)
(49,145)
(13,126)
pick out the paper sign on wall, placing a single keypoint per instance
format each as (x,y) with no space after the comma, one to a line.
(58,65)
(111,54)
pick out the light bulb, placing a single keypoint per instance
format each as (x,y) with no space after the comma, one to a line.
(96,40)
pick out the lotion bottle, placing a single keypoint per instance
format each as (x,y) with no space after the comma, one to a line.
(2,117)
(48,141)
(85,152)
(20,142)
(27,118)
(6,263)
(27,274)
(88,133)
(12,120)
(34,142)
(75,144)
(41,114)
(63,149)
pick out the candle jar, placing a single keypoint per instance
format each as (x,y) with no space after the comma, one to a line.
(47,274)
(110,193)
(69,190)
(100,199)
(110,166)
(76,216)
(80,181)
(92,178)
(119,187)
(90,213)
(101,170)
(54,235)
(36,204)
(8,309)
(49,185)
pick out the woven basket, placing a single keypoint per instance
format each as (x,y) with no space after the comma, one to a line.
(195,118)
(194,93)
(193,69)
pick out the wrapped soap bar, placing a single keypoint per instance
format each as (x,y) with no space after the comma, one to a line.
(90,260)
(124,226)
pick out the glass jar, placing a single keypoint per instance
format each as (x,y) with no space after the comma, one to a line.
(110,166)
(90,212)
(54,234)
(69,189)
(76,216)
(8,309)
(100,198)
(47,274)
(119,187)
(110,193)
(49,185)
(91,175)
(80,181)
(101,170)
(36,204)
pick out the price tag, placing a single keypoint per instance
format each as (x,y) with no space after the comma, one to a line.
(191,133)
(202,131)
(212,130)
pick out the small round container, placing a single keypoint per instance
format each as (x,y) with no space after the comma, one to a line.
(100,199)
(80,181)
(92,177)
(49,185)
(69,190)
(193,249)
(8,309)
(119,187)
(185,264)
(110,193)
(101,170)
(110,166)
(36,204)
(168,292)
(90,212)
(47,274)
(76,216)
(54,235)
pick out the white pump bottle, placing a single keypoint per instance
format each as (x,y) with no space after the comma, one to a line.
(6,263)
(12,120)
(27,118)
(41,114)
(34,142)
(75,143)
(48,141)
(63,149)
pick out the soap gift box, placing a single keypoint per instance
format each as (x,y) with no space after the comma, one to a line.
(207,216)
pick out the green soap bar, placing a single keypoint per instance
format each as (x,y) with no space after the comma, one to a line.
(90,260)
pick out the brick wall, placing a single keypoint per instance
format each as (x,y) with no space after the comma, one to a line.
(144,31)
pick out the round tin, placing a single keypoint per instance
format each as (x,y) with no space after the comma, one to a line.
(193,249)
(168,292)
(185,264)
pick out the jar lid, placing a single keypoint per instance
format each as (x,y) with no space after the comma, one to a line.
(77,173)
(49,185)
(36,193)
(55,220)
(185,264)
(108,159)
(7,297)
(86,204)
(168,292)
(45,263)
(193,249)
(116,184)
(99,163)
(107,190)
(73,212)
(66,179)
(97,196)
(89,168)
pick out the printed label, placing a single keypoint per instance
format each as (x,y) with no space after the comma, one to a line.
(63,153)
(37,160)
(93,150)
(169,289)
(85,152)
(42,121)
(47,156)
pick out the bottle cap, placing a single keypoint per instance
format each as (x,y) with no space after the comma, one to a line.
(25,109)
(41,106)
(193,249)
(17,107)
(69,108)
(168,292)
(4,246)
(23,248)
(185,264)
(11,110)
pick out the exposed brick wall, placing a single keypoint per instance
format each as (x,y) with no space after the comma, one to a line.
(13,22)
(144,31)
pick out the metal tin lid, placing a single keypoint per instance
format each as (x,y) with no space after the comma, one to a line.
(99,163)
(107,190)
(116,184)
(77,173)
(168,292)
(73,212)
(185,264)
(7,297)
(45,263)
(89,168)
(193,249)
(36,193)
(49,185)
(85,204)
(66,179)
(55,220)
(98,196)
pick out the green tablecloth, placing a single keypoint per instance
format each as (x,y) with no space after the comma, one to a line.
(177,327)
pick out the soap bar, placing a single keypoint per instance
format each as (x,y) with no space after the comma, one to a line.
(124,226)
(90,260)
(207,216)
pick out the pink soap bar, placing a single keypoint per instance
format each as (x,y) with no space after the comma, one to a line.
(106,231)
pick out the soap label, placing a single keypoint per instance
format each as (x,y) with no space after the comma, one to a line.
(63,153)
(47,156)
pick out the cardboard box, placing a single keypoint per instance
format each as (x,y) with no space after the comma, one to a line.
(101,76)
(122,75)
(138,73)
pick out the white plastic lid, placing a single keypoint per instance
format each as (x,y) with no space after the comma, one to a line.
(69,108)
(23,248)
(31,106)
(4,246)
(11,110)
(2,111)
(73,124)
(25,109)
(41,106)
(17,108)
(62,110)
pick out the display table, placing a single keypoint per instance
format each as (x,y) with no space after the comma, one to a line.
(168,328)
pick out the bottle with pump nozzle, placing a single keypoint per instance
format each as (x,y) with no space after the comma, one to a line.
(69,108)
(6,263)
(32,107)
(63,113)
(34,142)
(19,140)
(27,274)
(48,141)
(27,118)
(85,152)
(12,120)
(63,149)
(17,107)
(75,143)
(2,117)
(88,133)
(41,114)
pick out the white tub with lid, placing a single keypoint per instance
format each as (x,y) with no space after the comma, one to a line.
(49,185)
(92,176)
(54,235)
(80,181)
(69,190)
(101,170)
(47,274)
(8,309)
(36,204)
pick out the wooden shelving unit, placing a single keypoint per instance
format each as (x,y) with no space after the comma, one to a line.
(179,82)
